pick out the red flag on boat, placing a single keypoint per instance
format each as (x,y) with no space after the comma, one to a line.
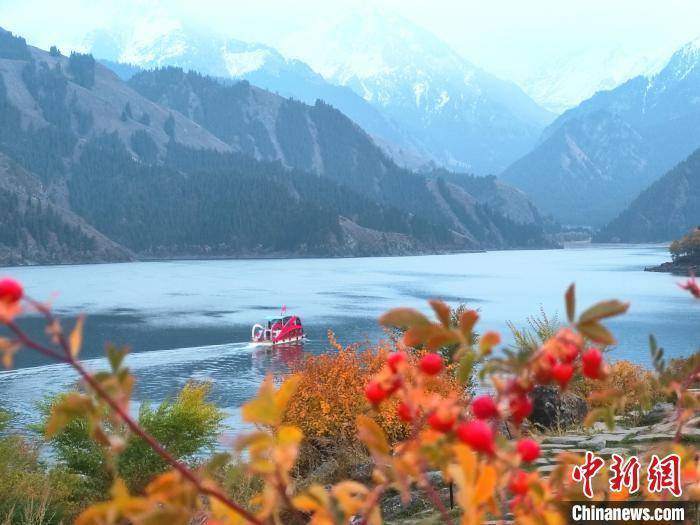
(284,309)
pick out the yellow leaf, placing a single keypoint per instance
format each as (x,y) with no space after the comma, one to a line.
(372,435)
(8,348)
(442,311)
(269,406)
(285,393)
(224,513)
(75,339)
(350,496)
(289,435)
(315,501)
(570,298)
(467,321)
(403,317)
(485,486)
(68,408)
(488,341)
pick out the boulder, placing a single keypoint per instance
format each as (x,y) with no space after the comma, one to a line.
(553,409)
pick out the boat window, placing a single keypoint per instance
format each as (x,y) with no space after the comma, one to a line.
(286,319)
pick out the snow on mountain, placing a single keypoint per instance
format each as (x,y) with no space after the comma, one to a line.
(571,79)
(596,157)
(466,117)
(156,41)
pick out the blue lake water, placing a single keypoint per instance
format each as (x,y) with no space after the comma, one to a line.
(189,320)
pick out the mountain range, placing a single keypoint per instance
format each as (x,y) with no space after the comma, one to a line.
(594,159)
(179,164)
(419,100)
(193,49)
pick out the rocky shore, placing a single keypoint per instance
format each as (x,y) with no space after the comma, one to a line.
(675,268)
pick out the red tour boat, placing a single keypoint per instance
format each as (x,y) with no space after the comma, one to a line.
(278,329)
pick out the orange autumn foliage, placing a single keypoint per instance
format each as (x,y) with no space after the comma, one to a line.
(634,388)
(330,394)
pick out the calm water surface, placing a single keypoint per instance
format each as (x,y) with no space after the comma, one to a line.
(191,319)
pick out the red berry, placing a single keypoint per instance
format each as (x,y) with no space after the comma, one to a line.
(374,393)
(406,413)
(478,435)
(10,291)
(592,360)
(441,422)
(519,483)
(520,408)
(395,360)
(431,364)
(592,357)
(562,373)
(528,449)
(484,407)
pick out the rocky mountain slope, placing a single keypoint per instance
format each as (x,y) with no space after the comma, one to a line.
(34,229)
(417,98)
(176,165)
(594,159)
(664,211)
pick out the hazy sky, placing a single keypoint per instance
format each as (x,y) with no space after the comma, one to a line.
(507,37)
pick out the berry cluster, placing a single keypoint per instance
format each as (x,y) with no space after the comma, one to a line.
(474,422)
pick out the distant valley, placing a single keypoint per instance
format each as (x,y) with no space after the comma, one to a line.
(596,158)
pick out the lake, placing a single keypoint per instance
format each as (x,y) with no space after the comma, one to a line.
(188,320)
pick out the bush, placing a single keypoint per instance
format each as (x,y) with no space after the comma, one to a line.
(186,426)
(637,389)
(686,248)
(29,492)
(679,369)
(330,395)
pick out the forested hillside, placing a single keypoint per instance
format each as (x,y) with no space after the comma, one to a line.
(664,211)
(177,165)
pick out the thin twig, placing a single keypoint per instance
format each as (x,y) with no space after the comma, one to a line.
(29,343)
(435,498)
(127,419)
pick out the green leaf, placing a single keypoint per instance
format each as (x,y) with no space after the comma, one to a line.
(466,365)
(402,317)
(115,356)
(657,354)
(603,310)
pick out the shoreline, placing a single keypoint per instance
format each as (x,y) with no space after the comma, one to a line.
(681,269)
(279,256)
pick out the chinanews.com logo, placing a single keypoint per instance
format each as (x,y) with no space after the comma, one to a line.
(663,476)
(629,512)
